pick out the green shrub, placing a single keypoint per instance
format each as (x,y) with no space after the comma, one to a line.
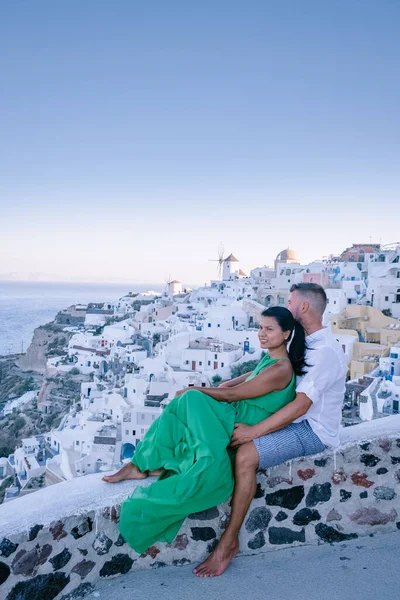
(216,380)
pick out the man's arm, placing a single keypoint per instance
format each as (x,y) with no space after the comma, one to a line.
(283,417)
(274,377)
(319,378)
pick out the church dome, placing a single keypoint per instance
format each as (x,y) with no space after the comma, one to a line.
(287,255)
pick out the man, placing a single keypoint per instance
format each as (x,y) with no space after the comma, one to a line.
(303,427)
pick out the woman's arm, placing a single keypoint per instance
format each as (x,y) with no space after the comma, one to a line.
(236,381)
(275,377)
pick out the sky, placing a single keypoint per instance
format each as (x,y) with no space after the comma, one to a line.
(138,136)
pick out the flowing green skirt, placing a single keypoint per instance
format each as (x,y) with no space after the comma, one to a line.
(189,440)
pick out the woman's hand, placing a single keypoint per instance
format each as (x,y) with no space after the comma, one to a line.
(242,434)
(226,384)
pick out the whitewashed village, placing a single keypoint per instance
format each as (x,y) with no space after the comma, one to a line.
(135,353)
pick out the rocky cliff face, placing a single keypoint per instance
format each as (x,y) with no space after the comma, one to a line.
(48,340)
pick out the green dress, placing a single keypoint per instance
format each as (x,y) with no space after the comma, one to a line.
(190,440)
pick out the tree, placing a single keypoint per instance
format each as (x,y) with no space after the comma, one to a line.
(245,367)
(387,312)
(216,380)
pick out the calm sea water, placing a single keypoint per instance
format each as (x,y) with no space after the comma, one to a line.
(26,305)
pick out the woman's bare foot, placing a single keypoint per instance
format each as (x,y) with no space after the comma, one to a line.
(219,560)
(128,471)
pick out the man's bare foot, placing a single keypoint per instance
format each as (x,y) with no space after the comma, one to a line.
(128,471)
(219,560)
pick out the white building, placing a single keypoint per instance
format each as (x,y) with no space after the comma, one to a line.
(209,354)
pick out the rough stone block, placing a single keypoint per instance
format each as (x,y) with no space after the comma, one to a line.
(26,562)
(373,516)
(257,542)
(382,492)
(283,535)
(83,568)
(318,494)
(42,586)
(205,515)
(288,498)
(101,544)
(60,560)
(258,518)
(4,572)
(34,531)
(330,534)
(333,515)
(306,474)
(281,516)
(7,547)
(118,565)
(57,530)
(361,479)
(203,534)
(344,495)
(305,516)
(369,460)
(82,529)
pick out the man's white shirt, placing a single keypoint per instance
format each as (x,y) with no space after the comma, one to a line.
(324,384)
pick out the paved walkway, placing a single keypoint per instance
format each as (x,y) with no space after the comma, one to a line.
(361,569)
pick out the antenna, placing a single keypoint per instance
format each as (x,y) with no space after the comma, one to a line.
(219,260)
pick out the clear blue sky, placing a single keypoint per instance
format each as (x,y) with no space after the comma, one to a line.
(135,136)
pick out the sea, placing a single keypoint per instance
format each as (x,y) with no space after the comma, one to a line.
(26,305)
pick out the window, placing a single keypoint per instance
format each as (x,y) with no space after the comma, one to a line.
(209,364)
(215,356)
(386,298)
(142,416)
(203,385)
(218,325)
(133,432)
(153,417)
(222,364)
(200,363)
(77,443)
(126,431)
(142,430)
(209,324)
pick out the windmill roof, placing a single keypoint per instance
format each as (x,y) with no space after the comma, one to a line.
(231,258)
(175,281)
(242,273)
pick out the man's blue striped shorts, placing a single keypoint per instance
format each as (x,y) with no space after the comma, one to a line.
(293,441)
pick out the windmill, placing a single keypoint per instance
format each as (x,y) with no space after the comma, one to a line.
(219,260)
(168,282)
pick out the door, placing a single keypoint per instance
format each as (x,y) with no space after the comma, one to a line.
(193,365)
(215,365)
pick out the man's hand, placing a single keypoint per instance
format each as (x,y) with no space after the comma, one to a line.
(242,434)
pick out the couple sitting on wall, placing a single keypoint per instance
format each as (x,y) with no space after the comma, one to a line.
(209,442)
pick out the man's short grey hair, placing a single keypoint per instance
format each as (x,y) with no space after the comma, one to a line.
(313,293)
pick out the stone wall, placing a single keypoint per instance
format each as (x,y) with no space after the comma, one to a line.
(57,542)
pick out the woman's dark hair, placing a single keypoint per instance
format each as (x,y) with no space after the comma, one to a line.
(297,348)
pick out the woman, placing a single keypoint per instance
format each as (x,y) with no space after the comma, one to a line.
(188,444)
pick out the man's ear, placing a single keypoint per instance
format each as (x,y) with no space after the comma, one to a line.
(305,307)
